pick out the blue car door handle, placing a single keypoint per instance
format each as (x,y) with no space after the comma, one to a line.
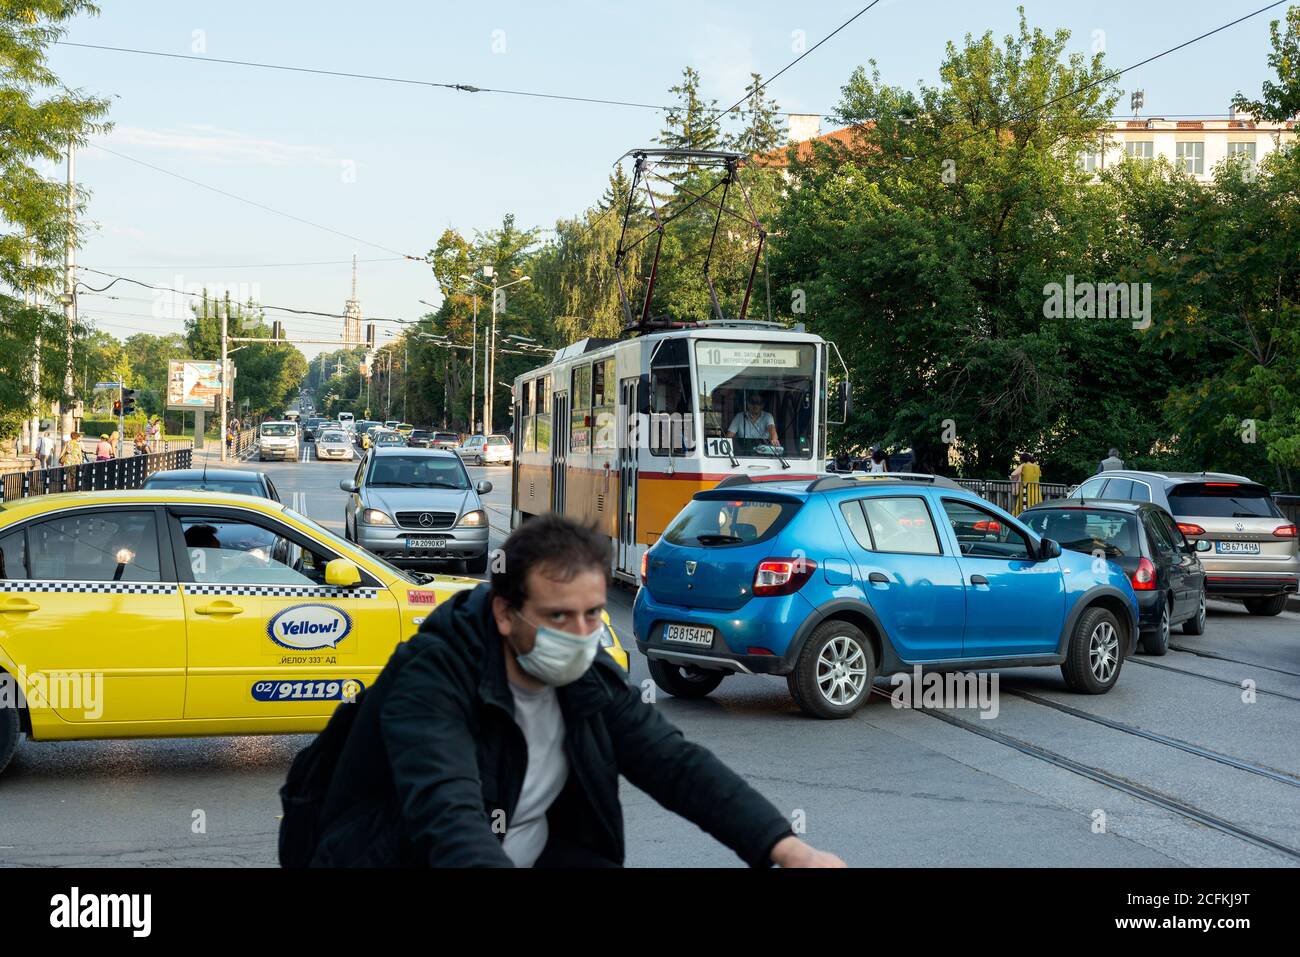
(978,580)
(878,578)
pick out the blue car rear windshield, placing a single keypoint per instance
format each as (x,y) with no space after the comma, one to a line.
(714,522)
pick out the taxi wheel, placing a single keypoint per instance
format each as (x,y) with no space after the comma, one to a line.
(10,731)
(833,675)
(684,681)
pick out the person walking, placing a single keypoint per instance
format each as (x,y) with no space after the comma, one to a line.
(104,450)
(44,450)
(1028,476)
(1110,462)
(73,453)
(496,736)
(153,433)
(141,444)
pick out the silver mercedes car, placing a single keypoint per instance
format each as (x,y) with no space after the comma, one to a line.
(417,507)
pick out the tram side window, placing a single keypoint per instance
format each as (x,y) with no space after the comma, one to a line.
(526,413)
(604,401)
(672,422)
(580,396)
(542,402)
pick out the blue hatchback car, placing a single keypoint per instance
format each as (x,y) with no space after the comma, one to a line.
(834,581)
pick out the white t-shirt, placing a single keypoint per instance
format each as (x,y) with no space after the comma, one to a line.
(746,428)
(539,717)
(876,467)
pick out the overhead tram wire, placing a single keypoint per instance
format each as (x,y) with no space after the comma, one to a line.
(759,89)
(255,203)
(407,81)
(320,262)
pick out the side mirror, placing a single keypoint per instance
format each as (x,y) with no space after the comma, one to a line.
(342,573)
(483,488)
(348,485)
(1202,545)
(1048,548)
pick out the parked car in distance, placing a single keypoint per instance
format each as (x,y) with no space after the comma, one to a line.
(1253,556)
(334,445)
(419,438)
(832,581)
(487,450)
(1143,539)
(278,440)
(416,507)
(238,481)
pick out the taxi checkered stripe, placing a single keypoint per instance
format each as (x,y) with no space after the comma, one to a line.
(283,591)
(114,588)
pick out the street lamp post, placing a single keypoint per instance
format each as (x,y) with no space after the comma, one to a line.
(489,348)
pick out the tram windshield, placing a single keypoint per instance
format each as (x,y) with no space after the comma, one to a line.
(756,399)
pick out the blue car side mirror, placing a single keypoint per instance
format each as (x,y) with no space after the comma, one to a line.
(1048,549)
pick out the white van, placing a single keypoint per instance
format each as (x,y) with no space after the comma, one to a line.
(277,440)
(347,420)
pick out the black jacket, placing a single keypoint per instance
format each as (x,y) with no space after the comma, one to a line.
(433,768)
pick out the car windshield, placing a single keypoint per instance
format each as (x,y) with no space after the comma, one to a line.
(328,437)
(417,471)
(338,542)
(420,434)
(208,485)
(1222,500)
(751,392)
(711,521)
(1087,530)
(280,429)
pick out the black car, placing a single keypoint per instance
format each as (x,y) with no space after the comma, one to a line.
(419,438)
(238,481)
(1142,539)
(311,427)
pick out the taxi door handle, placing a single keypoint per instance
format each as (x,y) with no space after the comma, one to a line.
(218,608)
(18,606)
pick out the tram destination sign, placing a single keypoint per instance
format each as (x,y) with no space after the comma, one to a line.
(746,356)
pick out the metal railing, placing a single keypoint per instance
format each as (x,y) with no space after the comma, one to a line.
(127,472)
(1014,497)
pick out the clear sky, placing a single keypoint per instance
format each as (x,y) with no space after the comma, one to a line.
(393,165)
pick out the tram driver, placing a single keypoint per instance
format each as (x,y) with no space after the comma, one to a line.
(754,423)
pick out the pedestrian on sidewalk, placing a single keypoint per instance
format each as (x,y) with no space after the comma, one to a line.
(1028,476)
(1110,462)
(104,450)
(154,434)
(73,453)
(44,450)
(495,737)
(141,444)
(879,462)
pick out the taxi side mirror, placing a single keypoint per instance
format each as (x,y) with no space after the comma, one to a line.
(342,573)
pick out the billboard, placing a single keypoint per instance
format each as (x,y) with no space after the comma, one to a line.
(193,385)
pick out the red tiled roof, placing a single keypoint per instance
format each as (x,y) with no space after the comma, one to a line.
(804,149)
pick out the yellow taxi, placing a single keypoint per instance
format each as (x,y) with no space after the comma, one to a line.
(175,613)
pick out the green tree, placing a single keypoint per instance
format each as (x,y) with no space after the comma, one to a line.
(925,245)
(39,117)
(760,118)
(1279,100)
(690,123)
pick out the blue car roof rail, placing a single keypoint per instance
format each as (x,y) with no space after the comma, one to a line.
(856,480)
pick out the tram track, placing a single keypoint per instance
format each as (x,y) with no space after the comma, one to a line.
(1236,661)
(1196,674)
(1099,776)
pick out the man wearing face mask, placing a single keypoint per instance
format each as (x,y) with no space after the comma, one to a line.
(496,736)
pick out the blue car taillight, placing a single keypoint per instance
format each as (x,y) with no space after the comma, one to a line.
(782,576)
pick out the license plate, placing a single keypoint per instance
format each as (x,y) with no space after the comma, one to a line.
(689,634)
(1237,548)
(426,543)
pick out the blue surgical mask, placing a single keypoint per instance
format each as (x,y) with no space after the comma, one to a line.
(559,658)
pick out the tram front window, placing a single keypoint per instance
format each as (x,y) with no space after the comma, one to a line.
(756,398)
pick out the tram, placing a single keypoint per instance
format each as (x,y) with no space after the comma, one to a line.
(620,433)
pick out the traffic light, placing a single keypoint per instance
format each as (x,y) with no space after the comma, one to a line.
(370,335)
(117,407)
(128,402)
(277,330)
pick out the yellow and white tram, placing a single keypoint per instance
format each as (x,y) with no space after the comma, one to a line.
(619,434)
